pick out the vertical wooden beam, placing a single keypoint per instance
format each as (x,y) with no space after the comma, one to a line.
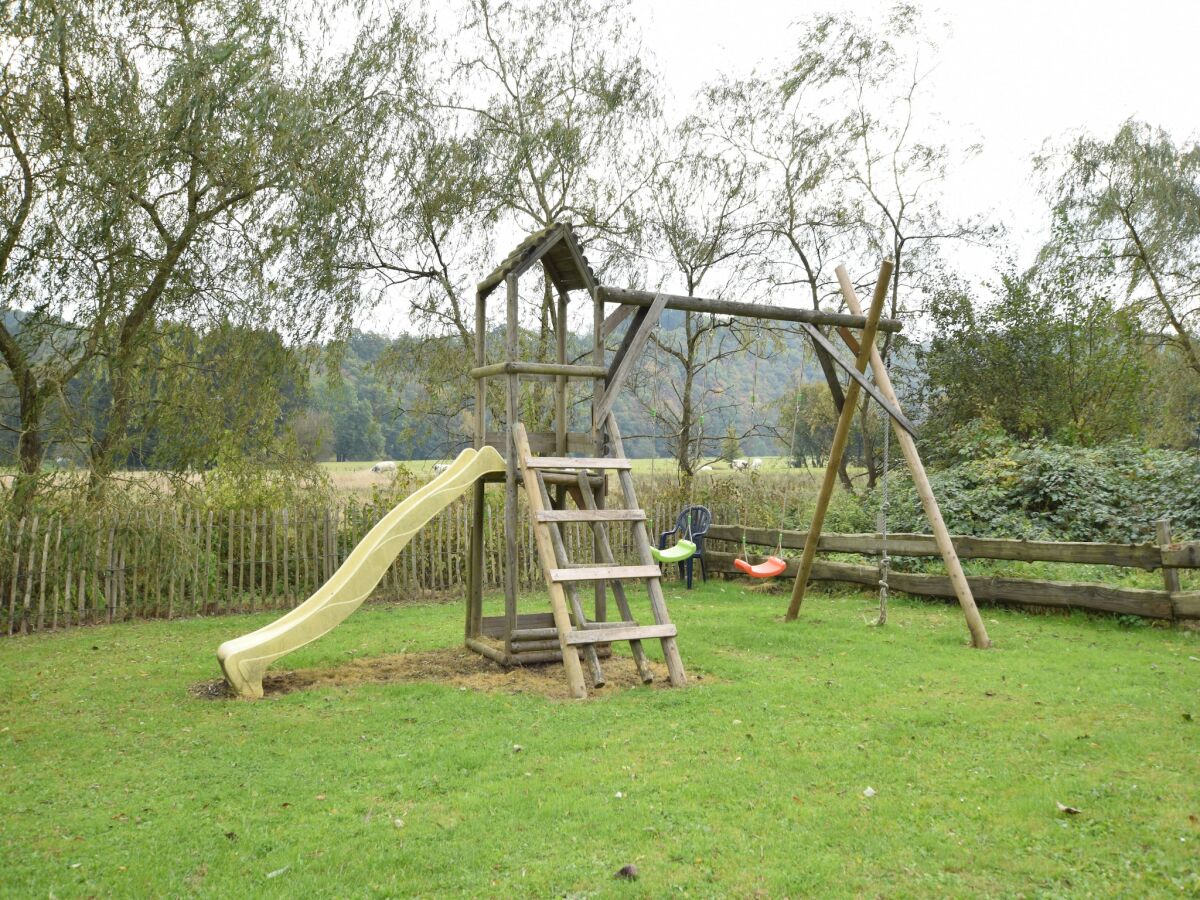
(560,381)
(600,588)
(560,388)
(478,492)
(840,438)
(1170,575)
(941,535)
(512,407)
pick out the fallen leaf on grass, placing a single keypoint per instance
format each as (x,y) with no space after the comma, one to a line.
(1069,810)
(278,872)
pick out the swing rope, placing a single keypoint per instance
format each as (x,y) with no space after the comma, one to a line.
(885,561)
(787,496)
(773,565)
(684,548)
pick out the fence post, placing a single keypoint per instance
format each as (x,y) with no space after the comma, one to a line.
(1170,574)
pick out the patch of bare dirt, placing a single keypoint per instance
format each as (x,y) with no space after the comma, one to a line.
(457,666)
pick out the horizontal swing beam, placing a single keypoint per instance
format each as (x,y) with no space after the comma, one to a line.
(682,303)
(536,368)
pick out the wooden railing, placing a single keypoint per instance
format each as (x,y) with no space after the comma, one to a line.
(1166,603)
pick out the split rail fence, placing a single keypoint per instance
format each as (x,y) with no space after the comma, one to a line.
(1169,602)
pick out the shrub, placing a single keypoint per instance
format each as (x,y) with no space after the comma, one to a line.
(999,488)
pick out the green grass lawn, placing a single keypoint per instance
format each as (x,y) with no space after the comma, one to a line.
(751,781)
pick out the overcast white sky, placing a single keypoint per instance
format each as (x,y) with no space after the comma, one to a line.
(1011,74)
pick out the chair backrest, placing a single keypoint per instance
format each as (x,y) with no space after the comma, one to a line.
(693,520)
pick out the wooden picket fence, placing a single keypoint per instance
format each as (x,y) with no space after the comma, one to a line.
(177,560)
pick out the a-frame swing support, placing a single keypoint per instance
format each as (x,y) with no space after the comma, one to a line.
(867,352)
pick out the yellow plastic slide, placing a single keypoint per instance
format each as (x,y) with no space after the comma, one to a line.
(245,659)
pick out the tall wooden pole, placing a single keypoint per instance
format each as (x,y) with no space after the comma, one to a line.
(979,635)
(479,491)
(840,437)
(512,411)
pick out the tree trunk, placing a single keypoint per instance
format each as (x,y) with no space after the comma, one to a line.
(30,448)
(868,443)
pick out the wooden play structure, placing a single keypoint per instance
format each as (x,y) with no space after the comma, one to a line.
(564,477)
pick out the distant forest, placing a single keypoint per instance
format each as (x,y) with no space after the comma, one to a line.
(366,399)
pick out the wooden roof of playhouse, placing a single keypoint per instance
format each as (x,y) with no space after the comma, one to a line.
(560,253)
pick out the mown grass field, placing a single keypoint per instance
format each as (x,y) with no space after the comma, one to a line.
(752,781)
(357,476)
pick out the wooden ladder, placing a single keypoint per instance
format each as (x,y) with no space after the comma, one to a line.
(573,629)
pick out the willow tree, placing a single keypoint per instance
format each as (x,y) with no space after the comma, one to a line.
(183,163)
(1133,204)
(531,112)
(696,220)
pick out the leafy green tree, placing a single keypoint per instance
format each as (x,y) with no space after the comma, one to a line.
(697,219)
(175,162)
(516,134)
(357,436)
(1132,205)
(1049,356)
(731,445)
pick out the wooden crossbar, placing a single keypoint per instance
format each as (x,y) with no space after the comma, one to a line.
(603,573)
(592,515)
(624,633)
(577,462)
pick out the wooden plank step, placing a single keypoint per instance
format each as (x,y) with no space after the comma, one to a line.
(592,515)
(623,633)
(577,462)
(597,573)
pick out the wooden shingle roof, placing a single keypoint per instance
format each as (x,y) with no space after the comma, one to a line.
(561,256)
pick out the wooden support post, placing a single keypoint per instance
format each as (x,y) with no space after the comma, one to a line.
(560,386)
(479,490)
(1170,575)
(945,545)
(840,437)
(600,600)
(512,406)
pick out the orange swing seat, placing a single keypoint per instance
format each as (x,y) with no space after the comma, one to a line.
(768,568)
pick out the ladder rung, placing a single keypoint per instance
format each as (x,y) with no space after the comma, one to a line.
(606,573)
(592,515)
(621,633)
(577,462)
